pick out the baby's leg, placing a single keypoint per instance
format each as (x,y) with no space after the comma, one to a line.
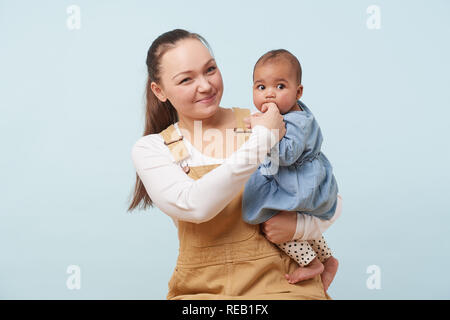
(321,248)
(305,256)
(330,263)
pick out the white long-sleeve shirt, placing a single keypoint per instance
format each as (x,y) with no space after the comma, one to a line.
(183,198)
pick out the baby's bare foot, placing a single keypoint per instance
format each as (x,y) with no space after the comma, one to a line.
(330,269)
(314,268)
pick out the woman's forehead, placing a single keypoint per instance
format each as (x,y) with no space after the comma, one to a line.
(187,55)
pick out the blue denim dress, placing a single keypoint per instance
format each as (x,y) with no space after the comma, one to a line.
(296,177)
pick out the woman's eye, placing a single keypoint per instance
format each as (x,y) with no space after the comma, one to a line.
(211,69)
(280,86)
(184,80)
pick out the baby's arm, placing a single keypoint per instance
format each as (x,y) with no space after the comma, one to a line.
(182,197)
(293,144)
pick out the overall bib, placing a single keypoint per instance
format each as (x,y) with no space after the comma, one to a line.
(226,258)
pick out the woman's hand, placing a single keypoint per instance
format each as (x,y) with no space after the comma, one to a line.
(269,118)
(281,227)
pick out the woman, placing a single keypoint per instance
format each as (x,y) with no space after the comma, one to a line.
(199,181)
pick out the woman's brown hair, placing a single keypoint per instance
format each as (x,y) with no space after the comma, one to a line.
(158,115)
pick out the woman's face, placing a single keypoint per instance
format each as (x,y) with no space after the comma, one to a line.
(190,80)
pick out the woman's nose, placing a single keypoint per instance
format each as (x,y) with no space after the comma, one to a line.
(204,84)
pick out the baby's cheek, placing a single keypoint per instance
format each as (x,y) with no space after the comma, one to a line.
(257,101)
(286,102)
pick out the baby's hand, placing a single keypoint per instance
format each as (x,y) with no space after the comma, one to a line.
(265,106)
(270,118)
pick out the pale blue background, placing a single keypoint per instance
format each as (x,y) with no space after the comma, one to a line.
(72,107)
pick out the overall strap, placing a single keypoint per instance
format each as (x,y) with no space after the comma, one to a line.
(240,114)
(241,131)
(175,143)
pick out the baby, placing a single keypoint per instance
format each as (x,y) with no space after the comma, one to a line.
(304,180)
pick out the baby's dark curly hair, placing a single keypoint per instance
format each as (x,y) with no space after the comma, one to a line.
(274,55)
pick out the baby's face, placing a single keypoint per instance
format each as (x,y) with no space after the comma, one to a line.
(275,81)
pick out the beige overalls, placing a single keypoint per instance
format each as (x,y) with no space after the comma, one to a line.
(226,258)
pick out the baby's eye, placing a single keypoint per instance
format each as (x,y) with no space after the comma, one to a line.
(260,87)
(280,86)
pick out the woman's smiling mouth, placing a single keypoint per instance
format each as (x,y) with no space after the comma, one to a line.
(208,99)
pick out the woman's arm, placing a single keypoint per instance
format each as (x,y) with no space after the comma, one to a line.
(289,225)
(184,198)
(310,227)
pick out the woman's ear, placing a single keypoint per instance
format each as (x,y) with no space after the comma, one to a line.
(157,90)
(299,91)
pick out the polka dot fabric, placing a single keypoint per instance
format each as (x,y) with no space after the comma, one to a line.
(321,248)
(304,251)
